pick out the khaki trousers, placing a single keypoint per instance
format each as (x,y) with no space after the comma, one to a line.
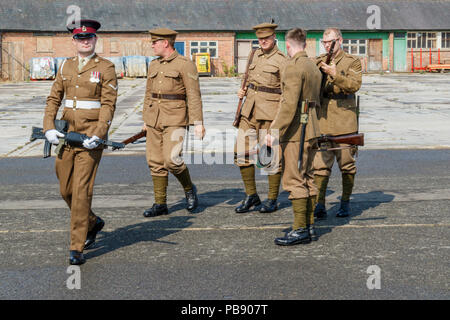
(164,148)
(323,162)
(250,133)
(299,183)
(76,170)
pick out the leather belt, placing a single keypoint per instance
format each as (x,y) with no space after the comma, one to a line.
(77,104)
(264,89)
(338,96)
(169,96)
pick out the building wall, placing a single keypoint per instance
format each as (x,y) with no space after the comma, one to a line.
(225,50)
(115,44)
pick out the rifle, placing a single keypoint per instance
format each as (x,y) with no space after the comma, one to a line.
(327,61)
(237,117)
(73,139)
(37,133)
(132,139)
(353,139)
(357,113)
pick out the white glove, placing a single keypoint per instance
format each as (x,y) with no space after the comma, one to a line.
(91,143)
(52,136)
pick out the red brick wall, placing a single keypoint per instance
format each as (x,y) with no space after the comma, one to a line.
(225,50)
(139,44)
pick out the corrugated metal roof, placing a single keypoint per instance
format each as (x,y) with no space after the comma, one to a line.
(225,15)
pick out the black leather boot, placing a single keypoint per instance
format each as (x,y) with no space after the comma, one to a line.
(191,199)
(91,235)
(247,203)
(344,210)
(269,206)
(301,235)
(320,212)
(156,210)
(76,257)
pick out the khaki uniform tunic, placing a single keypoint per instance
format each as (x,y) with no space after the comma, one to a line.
(300,81)
(260,107)
(76,168)
(167,119)
(338,116)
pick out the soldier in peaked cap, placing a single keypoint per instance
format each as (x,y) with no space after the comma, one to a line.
(89,85)
(263,91)
(172,102)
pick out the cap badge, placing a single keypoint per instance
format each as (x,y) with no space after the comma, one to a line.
(83,28)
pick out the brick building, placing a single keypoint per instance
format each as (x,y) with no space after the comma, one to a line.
(36,28)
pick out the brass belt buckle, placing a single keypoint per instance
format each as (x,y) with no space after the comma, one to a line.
(74,105)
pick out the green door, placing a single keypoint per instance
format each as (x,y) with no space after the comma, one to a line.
(400,52)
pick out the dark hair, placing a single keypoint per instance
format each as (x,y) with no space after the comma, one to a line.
(297,35)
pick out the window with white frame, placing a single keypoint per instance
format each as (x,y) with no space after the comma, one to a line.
(204,46)
(355,46)
(424,40)
(445,40)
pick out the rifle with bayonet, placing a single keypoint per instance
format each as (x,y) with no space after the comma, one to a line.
(237,117)
(73,139)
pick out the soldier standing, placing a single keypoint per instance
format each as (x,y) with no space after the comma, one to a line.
(300,83)
(260,107)
(172,102)
(89,85)
(338,116)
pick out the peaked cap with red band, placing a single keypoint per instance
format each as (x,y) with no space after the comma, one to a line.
(86,28)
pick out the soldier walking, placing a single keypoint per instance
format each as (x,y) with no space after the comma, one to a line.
(89,85)
(298,129)
(337,116)
(261,105)
(172,103)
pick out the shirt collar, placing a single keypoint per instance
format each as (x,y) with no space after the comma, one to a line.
(87,58)
(171,57)
(300,54)
(271,52)
(339,56)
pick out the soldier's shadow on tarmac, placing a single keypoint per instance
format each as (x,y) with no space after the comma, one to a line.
(209,199)
(152,230)
(359,202)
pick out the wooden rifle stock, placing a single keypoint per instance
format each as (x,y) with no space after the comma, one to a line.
(237,117)
(356,139)
(134,138)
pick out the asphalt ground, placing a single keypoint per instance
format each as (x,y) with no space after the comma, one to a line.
(400,224)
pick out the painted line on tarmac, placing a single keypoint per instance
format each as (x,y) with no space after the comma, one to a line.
(407,225)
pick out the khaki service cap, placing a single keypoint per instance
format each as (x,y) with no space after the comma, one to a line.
(265,29)
(163,34)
